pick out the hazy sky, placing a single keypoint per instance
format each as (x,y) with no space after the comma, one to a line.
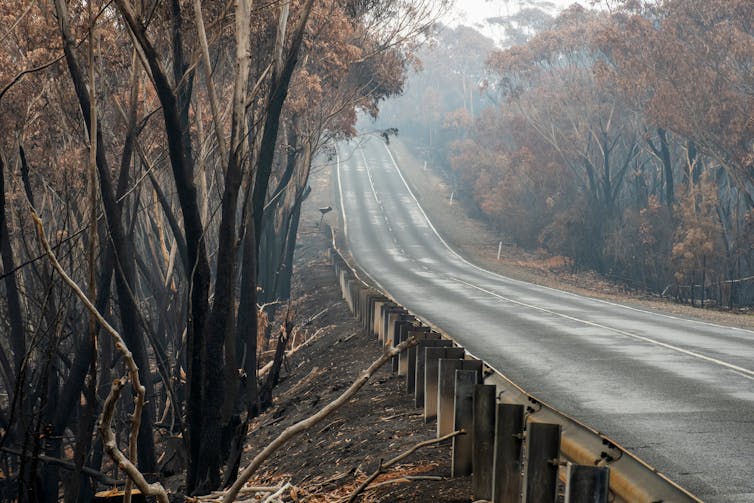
(475,12)
(471,12)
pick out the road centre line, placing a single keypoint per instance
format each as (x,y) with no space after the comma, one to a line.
(749,374)
(340,192)
(345,224)
(369,177)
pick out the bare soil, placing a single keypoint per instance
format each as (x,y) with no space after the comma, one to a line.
(478,243)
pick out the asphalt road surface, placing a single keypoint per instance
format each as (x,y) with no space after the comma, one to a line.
(678,393)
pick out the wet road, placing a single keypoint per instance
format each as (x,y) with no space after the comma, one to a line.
(678,393)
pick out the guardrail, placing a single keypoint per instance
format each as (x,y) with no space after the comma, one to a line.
(519,448)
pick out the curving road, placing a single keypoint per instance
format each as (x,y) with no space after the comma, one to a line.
(679,393)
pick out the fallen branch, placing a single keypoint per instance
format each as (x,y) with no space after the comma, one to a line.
(288,353)
(316,372)
(406,479)
(111,447)
(346,339)
(274,497)
(397,459)
(311,319)
(335,478)
(330,425)
(403,414)
(309,422)
(252,491)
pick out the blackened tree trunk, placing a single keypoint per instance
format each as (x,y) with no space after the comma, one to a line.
(246,326)
(285,63)
(286,273)
(220,323)
(15,314)
(663,153)
(199,274)
(124,270)
(281,226)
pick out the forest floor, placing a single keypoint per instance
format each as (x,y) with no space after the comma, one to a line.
(478,242)
(330,460)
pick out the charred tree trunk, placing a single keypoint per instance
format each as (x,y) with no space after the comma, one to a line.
(281,78)
(663,153)
(286,273)
(124,270)
(198,272)
(220,323)
(19,398)
(246,326)
(15,314)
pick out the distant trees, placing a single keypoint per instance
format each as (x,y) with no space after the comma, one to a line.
(442,96)
(623,141)
(166,147)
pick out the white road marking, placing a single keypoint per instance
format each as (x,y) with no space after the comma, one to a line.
(369,176)
(345,223)
(340,191)
(749,374)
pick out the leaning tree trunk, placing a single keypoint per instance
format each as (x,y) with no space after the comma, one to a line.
(286,272)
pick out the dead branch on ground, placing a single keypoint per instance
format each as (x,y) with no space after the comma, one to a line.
(248,494)
(405,479)
(309,422)
(307,341)
(381,469)
(277,495)
(315,373)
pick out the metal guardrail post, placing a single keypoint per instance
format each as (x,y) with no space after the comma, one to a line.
(463,418)
(507,464)
(421,359)
(414,330)
(366,306)
(483,451)
(384,318)
(349,282)
(356,290)
(542,463)
(446,390)
(587,484)
(423,335)
(395,315)
(375,310)
(400,334)
(432,358)
(377,318)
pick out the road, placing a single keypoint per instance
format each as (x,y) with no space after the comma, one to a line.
(678,393)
